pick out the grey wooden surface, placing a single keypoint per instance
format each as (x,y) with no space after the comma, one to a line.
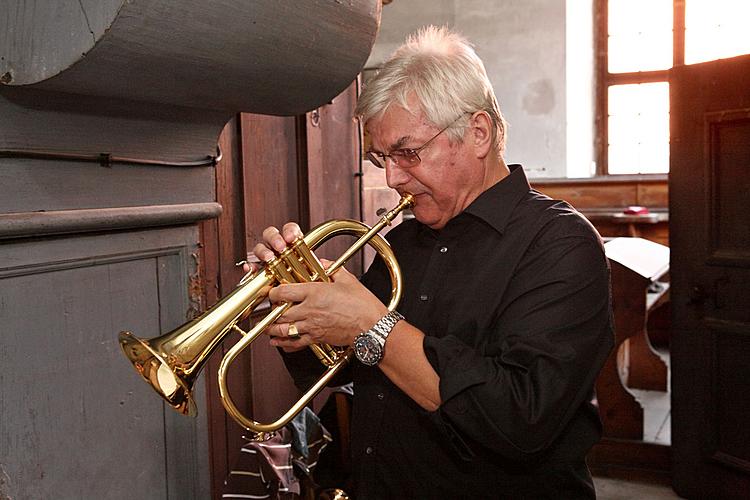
(56,222)
(75,419)
(280,57)
(40,120)
(33,185)
(146,80)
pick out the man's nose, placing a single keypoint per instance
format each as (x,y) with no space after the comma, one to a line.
(394,175)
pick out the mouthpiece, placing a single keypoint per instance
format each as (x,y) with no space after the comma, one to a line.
(407,201)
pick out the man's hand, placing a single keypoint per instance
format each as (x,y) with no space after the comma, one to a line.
(332,313)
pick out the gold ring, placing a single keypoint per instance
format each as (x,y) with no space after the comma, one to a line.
(292,332)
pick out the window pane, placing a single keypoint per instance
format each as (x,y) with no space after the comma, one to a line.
(638,128)
(715,29)
(640,35)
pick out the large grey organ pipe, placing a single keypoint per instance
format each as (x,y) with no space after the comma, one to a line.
(279,57)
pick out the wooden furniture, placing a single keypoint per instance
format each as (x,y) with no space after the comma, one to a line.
(636,265)
(639,268)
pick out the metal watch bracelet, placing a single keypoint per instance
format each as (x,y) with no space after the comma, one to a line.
(385,324)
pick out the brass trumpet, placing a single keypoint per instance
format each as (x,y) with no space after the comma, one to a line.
(172,362)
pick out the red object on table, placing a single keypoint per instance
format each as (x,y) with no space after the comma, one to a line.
(636,210)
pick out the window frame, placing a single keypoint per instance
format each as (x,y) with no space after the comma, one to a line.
(605,79)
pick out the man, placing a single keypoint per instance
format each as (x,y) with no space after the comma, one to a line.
(484,385)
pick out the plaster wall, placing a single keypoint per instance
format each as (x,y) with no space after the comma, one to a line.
(523,46)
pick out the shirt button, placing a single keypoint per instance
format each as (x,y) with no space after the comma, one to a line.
(369,450)
(381,396)
(443,249)
(423,297)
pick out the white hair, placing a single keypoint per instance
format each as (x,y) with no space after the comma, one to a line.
(441,69)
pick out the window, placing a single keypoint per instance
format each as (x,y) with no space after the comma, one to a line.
(639,41)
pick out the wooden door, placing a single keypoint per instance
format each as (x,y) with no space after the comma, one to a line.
(710,242)
(274,170)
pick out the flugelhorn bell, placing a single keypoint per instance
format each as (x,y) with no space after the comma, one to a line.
(172,362)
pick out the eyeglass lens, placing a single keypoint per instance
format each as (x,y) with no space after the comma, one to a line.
(404,158)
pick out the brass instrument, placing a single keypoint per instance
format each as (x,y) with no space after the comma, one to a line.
(172,362)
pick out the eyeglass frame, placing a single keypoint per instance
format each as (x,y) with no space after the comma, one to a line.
(379,159)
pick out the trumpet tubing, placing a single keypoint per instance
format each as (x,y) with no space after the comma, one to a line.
(171,363)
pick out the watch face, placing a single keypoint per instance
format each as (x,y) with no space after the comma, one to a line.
(367,349)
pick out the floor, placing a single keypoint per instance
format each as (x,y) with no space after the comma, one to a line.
(616,489)
(657,424)
(656,428)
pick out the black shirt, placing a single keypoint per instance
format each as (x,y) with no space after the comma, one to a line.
(513,297)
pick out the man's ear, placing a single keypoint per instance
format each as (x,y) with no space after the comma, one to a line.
(480,125)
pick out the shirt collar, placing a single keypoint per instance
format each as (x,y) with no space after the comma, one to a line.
(495,205)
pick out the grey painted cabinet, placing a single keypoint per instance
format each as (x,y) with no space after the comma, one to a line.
(75,420)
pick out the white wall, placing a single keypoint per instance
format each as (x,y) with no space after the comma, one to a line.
(579,85)
(523,45)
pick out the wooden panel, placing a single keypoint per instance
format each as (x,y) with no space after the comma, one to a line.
(33,120)
(332,167)
(272,197)
(43,54)
(66,384)
(274,170)
(729,182)
(610,228)
(607,192)
(729,431)
(333,159)
(631,460)
(186,478)
(602,201)
(224,245)
(43,223)
(622,414)
(592,195)
(652,194)
(269,159)
(33,185)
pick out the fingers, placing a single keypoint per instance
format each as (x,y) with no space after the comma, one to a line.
(275,241)
(326,263)
(292,331)
(282,336)
(291,292)
(291,231)
(285,328)
(263,252)
(342,275)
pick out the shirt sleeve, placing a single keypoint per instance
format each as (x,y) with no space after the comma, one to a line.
(547,347)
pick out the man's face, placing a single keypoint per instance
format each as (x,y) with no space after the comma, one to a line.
(445,181)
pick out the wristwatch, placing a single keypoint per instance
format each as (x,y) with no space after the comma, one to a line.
(369,346)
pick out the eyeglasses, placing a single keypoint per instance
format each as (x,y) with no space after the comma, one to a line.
(405,157)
